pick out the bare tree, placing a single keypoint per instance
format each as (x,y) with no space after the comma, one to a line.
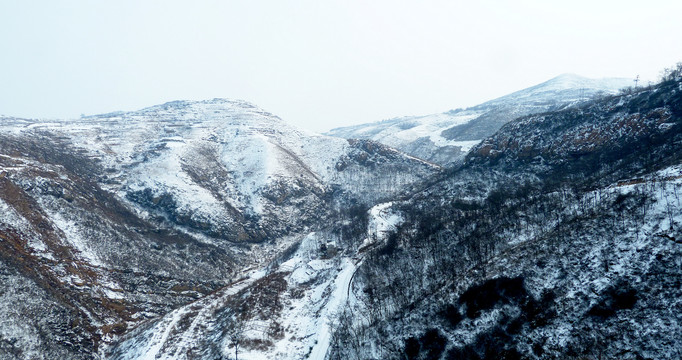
(234,332)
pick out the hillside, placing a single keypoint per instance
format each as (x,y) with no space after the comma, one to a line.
(115,219)
(559,237)
(446,138)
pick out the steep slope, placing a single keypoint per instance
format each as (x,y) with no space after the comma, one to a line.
(213,166)
(83,253)
(445,138)
(214,230)
(117,219)
(559,237)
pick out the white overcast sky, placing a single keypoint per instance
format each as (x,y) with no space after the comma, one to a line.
(318,64)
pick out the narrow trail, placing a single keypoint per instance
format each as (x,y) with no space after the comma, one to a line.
(338,298)
(380,223)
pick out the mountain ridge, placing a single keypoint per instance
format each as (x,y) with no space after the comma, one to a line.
(446,137)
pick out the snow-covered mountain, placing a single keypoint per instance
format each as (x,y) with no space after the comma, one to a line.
(558,237)
(122,217)
(213,230)
(445,138)
(227,168)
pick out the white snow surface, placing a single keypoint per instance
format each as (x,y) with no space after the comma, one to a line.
(382,221)
(465,145)
(338,299)
(400,132)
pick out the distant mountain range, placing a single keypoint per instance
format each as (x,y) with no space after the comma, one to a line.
(445,138)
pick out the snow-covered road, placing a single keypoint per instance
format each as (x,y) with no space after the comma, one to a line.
(382,220)
(337,300)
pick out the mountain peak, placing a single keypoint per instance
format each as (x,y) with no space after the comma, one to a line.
(566,87)
(213,105)
(217,109)
(180,104)
(567,78)
(569,81)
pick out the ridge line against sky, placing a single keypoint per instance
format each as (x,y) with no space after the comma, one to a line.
(318,65)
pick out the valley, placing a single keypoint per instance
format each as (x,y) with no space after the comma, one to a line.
(543,224)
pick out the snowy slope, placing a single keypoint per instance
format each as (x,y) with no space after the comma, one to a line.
(309,293)
(226,168)
(445,138)
(558,238)
(599,279)
(121,218)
